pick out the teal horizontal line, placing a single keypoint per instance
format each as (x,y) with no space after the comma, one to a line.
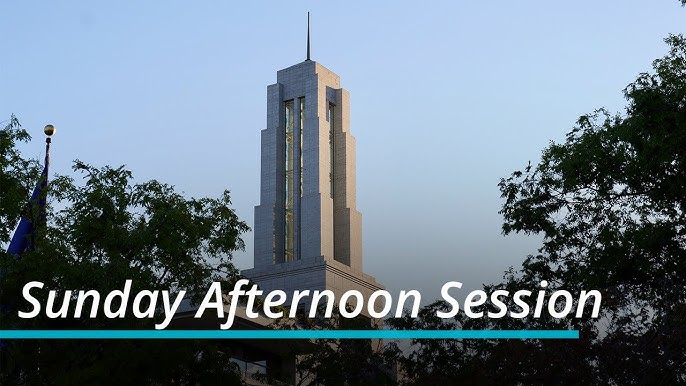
(289,334)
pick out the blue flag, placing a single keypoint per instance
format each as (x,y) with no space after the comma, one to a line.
(24,235)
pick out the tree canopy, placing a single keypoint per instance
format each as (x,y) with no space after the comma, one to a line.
(610,205)
(98,234)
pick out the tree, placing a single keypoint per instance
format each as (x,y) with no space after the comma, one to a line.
(610,205)
(346,362)
(107,230)
(434,361)
(17,176)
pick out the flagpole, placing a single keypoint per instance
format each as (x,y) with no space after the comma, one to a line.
(24,234)
(49,131)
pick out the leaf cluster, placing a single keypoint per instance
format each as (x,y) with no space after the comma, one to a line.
(610,206)
(99,233)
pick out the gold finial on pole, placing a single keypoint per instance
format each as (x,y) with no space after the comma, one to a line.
(49,130)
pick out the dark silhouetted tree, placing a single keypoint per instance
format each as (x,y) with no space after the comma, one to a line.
(610,206)
(106,230)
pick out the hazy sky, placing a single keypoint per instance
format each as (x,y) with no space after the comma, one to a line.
(446,99)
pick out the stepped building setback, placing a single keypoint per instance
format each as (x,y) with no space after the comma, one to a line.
(308,232)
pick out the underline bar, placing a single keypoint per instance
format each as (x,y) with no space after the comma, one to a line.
(289,334)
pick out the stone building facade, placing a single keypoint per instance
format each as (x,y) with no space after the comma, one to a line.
(308,232)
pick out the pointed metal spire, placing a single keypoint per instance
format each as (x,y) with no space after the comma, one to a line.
(308,36)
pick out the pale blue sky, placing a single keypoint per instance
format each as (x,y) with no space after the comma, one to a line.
(446,98)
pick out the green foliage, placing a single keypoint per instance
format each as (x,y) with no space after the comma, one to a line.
(488,362)
(17,177)
(168,240)
(107,230)
(346,362)
(433,361)
(610,206)
(610,201)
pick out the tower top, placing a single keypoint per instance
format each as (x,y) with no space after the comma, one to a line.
(308,232)
(308,36)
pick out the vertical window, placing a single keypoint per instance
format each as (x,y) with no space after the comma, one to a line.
(302,130)
(289,188)
(329,118)
(298,254)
